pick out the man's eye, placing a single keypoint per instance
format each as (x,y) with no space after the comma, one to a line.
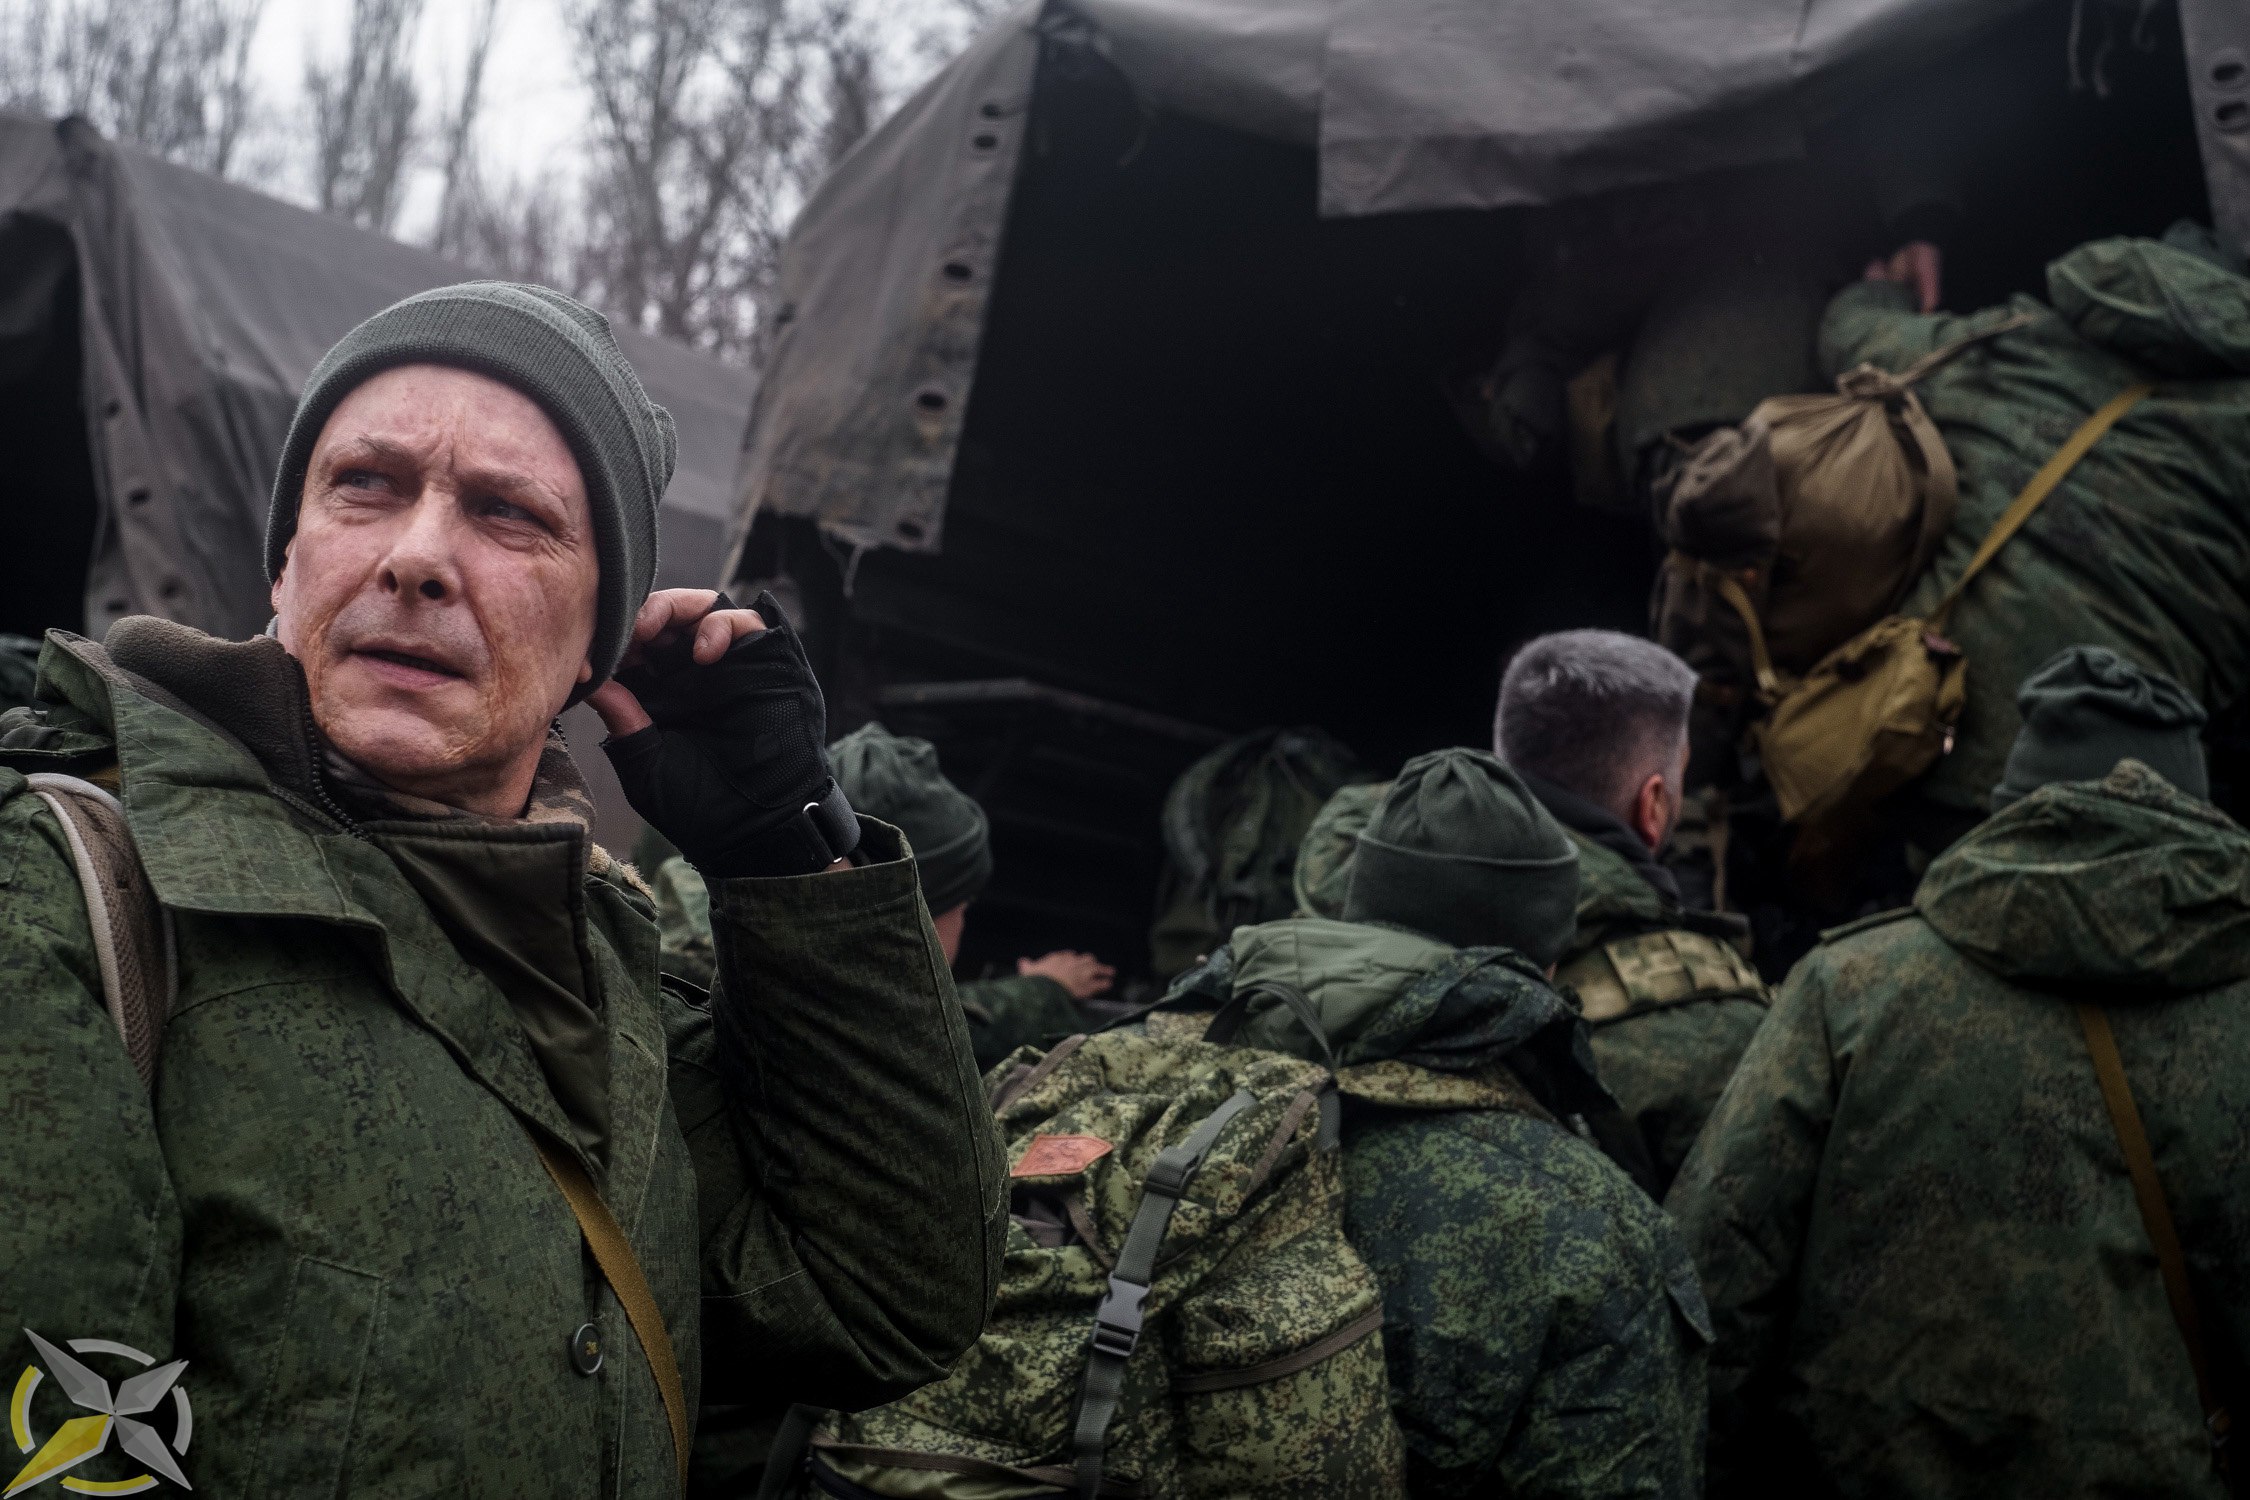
(361,479)
(503,510)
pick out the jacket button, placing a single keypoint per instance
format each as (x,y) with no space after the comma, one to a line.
(586,1349)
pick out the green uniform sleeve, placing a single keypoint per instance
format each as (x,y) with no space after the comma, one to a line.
(1743,1199)
(90,1242)
(851,1176)
(1621,1409)
(1542,1323)
(1874,322)
(1022,1009)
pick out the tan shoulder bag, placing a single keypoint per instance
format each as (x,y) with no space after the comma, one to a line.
(1880,709)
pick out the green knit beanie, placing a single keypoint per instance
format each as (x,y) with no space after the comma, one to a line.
(561,354)
(1461,850)
(896,778)
(2089,708)
(1324,859)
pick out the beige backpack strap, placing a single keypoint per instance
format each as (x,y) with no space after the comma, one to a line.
(2043,484)
(2156,1213)
(1730,589)
(622,1270)
(133,946)
(1944,352)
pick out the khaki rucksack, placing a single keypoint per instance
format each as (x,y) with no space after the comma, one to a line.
(1180,1313)
(1823,509)
(1880,709)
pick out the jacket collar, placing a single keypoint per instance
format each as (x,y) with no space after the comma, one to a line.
(223,831)
(1597,825)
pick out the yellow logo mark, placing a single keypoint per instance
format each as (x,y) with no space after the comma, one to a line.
(111,1413)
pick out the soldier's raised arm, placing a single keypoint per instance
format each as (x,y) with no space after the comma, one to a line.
(852,1214)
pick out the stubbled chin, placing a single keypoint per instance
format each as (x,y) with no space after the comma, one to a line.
(398,737)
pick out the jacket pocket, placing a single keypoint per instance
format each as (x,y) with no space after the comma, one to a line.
(313,1386)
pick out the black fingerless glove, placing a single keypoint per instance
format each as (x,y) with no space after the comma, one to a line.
(735,769)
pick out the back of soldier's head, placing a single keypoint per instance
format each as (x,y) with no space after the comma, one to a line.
(1594,712)
(895,777)
(1461,850)
(2086,709)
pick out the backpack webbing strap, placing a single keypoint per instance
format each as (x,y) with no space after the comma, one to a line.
(785,1460)
(2043,484)
(132,930)
(1117,1322)
(2156,1216)
(622,1270)
(1236,1011)
(1730,589)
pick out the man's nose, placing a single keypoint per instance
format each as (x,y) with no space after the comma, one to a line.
(423,558)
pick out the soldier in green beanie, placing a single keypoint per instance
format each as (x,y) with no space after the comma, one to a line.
(431,1183)
(896,778)
(1930,1266)
(1542,1322)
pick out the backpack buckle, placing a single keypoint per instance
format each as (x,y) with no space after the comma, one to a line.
(1117,1322)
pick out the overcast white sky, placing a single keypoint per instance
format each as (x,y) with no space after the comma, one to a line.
(534,107)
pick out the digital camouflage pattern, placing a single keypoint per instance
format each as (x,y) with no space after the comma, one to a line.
(1003,1014)
(1542,1322)
(1670,1008)
(2145,547)
(332,1207)
(1911,1211)
(1017,1010)
(1254,1268)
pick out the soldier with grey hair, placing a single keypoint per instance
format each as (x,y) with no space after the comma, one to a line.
(1595,722)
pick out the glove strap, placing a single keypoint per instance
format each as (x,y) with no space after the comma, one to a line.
(815,837)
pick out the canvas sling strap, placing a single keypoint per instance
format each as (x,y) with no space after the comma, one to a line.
(622,1270)
(2034,494)
(133,949)
(132,930)
(2156,1217)
(1117,1321)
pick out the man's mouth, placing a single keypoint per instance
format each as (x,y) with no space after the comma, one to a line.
(408,661)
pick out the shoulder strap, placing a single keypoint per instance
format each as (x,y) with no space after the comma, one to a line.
(2156,1214)
(1117,1322)
(1730,589)
(622,1270)
(133,946)
(1944,352)
(2041,486)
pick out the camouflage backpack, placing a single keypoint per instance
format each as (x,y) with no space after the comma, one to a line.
(1232,826)
(1180,1313)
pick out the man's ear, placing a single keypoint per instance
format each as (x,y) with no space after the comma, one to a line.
(273,594)
(1652,810)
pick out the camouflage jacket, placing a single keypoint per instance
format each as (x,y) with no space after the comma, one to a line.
(1003,1014)
(1911,1210)
(1669,1000)
(1542,1321)
(331,1207)
(2160,579)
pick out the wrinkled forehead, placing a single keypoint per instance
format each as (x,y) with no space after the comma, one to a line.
(442,416)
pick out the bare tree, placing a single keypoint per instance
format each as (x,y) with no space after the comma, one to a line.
(461,195)
(169,75)
(364,110)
